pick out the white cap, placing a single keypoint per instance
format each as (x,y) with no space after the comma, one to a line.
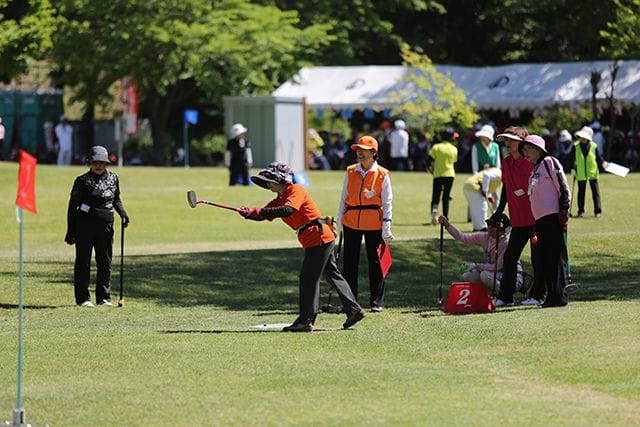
(564,136)
(586,132)
(399,124)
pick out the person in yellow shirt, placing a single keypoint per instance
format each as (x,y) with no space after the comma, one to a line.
(444,155)
(480,190)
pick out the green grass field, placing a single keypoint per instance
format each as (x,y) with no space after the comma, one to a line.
(182,351)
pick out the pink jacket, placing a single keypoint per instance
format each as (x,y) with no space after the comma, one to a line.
(488,244)
(548,188)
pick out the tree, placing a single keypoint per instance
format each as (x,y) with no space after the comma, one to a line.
(179,48)
(622,33)
(430,99)
(25,33)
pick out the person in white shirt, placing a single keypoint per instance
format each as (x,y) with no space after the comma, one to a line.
(399,144)
(64,134)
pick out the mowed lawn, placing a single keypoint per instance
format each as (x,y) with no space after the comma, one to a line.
(183,350)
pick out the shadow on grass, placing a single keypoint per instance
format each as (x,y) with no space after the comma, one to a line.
(267,280)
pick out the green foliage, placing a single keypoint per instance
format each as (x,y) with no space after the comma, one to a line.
(560,117)
(429,99)
(329,122)
(26,29)
(623,33)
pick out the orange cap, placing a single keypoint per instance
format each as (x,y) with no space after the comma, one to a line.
(366,143)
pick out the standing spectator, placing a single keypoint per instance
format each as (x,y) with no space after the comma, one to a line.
(564,149)
(516,171)
(337,151)
(365,211)
(94,196)
(419,152)
(550,200)
(480,190)
(587,160)
(597,136)
(2,131)
(298,210)
(485,153)
(238,157)
(399,146)
(444,155)
(314,146)
(64,134)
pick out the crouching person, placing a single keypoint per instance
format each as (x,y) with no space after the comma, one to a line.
(484,271)
(298,210)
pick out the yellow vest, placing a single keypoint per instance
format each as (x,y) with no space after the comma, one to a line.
(363,204)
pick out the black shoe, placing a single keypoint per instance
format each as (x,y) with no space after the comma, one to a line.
(549,304)
(298,327)
(354,318)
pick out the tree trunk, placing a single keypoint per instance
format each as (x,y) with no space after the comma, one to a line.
(160,106)
(612,109)
(86,134)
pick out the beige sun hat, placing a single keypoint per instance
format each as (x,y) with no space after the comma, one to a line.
(586,132)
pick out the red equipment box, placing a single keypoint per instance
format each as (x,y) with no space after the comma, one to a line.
(468,297)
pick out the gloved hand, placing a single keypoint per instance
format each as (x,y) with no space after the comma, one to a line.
(563,218)
(125,221)
(386,232)
(252,214)
(69,238)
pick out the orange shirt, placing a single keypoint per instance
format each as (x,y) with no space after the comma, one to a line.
(296,196)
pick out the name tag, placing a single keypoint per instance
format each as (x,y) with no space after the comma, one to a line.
(519,192)
(85,208)
(369,194)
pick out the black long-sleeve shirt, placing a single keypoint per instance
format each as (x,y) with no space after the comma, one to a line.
(96,196)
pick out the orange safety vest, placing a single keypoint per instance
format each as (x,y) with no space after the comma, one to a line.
(363,204)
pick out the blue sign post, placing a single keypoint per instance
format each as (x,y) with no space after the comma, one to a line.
(190,117)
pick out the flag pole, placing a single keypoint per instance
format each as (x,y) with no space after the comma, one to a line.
(19,418)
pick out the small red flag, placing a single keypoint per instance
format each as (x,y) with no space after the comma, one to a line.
(27,182)
(384,256)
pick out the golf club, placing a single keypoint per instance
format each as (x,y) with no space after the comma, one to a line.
(570,287)
(328,308)
(121,300)
(439,299)
(193,202)
(573,192)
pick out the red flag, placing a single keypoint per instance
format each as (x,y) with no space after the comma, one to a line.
(384,256)
(27,182)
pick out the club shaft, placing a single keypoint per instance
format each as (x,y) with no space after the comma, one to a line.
(121,259)
(218,205)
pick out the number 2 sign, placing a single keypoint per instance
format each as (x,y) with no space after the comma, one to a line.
(468,297)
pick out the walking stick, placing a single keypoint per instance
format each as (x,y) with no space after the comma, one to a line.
(439,299)
(121,300)
(495,270)
(573,192)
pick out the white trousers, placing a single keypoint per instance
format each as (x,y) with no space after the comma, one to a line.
(478,208)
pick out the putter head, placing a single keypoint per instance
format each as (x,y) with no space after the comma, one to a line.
(121,302)
(438,302)
(191,198)
(327,308)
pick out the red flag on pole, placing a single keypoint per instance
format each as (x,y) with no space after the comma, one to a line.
(27,182)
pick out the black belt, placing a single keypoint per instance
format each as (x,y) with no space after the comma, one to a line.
(361,207)
(318,221)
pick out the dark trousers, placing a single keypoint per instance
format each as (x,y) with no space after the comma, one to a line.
(351,262)
(442,186)
(93,234)
(595,193)
(552,264)
(319,260)
(518,238)
(239,176)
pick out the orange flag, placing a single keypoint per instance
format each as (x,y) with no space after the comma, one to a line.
(27,182)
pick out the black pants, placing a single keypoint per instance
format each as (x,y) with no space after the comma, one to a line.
(352,245)
(595,193)
(442,186)
(319,260)
(518,238)
(93,234)
(552,263)
(239,176)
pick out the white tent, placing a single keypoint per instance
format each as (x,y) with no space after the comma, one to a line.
(505,87)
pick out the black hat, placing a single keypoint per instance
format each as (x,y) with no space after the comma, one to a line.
(276,172)
(499,220)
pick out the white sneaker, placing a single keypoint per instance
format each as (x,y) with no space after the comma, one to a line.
(106,303)
(87,304)
(499,303)
(434,217)
(531,301)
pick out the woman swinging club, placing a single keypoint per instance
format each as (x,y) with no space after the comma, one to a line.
(298,210)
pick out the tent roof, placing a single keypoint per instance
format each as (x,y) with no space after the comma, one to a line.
(515,86)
